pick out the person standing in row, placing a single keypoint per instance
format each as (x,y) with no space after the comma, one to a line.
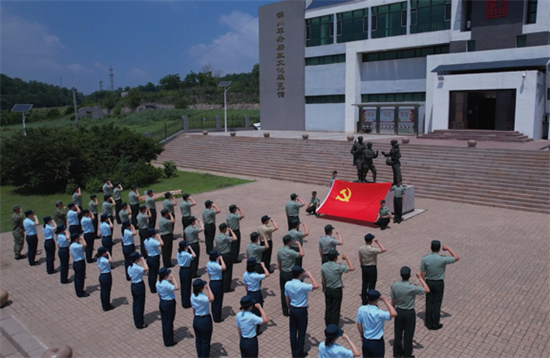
(135,271)
(267,230)
(166,286)
(31,236)
(106,229)
(298,236)
(209,218)
(49,244)
(143,227)
(286,259)
(18,232)
(185,207)
(296,292)
(246,326)
(104,262)
(215,267)
(185,256)
(313,204)
(223,244)
(124,214)
(168,204)
(59,215)
(403,295)
(107,187)
(292,209)
(128,245)
(73,217)
(253,249)
(117,202)
(202,321)
(370,324)
(167,235)
(253,282)
(150,203)
(398,200)
(77,199)
(92,206)
(433,271)
(327,243)
(153,246)
(63,253)
(368,255)
(384,216)
(329,348)
(191,235)
(233,222)
(334,177)
(88,227)
(331,272)
(78,245)
(134,198)
(107,207)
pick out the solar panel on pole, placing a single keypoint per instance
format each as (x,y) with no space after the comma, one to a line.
(23,108)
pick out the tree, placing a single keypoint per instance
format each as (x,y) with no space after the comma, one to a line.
(170,82)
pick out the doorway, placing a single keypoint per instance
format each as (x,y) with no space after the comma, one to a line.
(489,110)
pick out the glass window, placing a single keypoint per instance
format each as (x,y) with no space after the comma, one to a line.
(430,15)
(393,97)
(353,25)
(447,16)
(403,18)
(319,31)
(531,11)
(521,41)
(471,46)
(374,22)
(413,17)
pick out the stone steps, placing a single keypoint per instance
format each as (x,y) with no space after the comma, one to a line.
(481,135)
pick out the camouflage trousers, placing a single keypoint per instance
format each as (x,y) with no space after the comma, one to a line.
(18,242)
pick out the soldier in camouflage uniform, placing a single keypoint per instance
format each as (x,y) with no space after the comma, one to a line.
(60,216)
(18,232)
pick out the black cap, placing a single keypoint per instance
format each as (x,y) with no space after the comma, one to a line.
(101,250)
(75,235)
(405,270)
(373,295)
(183,244)
(126,223)
(436,244)
(134,256)
(164,271)
(47,219)
(85,211)
(214,254)
(208,202)
(232,207)
(328,228)
(246,302)
(71,205)
(333,253)
(251,261)
(297,269)
(265,218)
(369,237)
(60,228)
(104,216)
(28,212)
(198,283)
(254,236)
(152,231)
(333,331)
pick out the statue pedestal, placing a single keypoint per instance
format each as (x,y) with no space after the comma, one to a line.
(408,204)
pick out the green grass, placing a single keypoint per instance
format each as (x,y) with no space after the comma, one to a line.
(44,205)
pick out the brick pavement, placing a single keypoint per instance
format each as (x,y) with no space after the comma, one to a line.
(496,302)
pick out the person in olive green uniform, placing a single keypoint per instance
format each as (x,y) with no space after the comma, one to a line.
(150,203)
(332,272)
(134,199)
(167,235)
(191,235)
(255,250)
(77,199)
(143,226)
(209,218)
(168,204)
(107,187)
(402,298)
(398,199)
(292,209)
(92,205)
(384,216)
(59,215)
(313,204)
(267,230)
(327,243)
(185,207)
(298,236)
(117,196)
(233,222)
(286,257)
(433,271)
(107,206)
(124,215)
(223,243)
(18,232)
(368,255)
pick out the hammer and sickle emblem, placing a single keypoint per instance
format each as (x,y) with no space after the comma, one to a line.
(346,193)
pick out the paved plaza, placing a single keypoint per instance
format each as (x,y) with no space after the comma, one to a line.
(496,300)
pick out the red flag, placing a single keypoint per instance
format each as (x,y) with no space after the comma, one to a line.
(358,201)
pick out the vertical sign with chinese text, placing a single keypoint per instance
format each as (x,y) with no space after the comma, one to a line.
(281,54)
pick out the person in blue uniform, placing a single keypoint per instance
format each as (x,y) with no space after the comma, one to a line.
(214,267)
(73,218)
(77,247)
(63,253)
(296,293)
(136,270)
(49,244)
(128,246)
(329,348)
(185,256)
(153,246)
(104,261)
(106,229)
(246,326)
(166,286)
(253,283)
(202,321)
(29,224)
(87,223)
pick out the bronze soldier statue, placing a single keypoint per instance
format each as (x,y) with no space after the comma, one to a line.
(393,160)
(369,155)
(358,158)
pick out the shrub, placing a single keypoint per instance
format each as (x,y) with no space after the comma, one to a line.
(94,184)
(170,169)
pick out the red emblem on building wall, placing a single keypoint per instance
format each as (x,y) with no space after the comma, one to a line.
(496,8)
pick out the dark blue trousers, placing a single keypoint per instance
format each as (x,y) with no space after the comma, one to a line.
(249,347)
(202,325)
(74,229)
(153,218)
(89,238)
(433,302)
(63,254)
(49,247)
(167,315)
(127,251)
(143,233)
(195,262)
(154,264)
(167,249)
(297,327)
(105,284)
(32,245)
(373,348)
(185,284)
(227,275)
(107,242)
(217,290)
(236,246)
(79,268)
(138,307)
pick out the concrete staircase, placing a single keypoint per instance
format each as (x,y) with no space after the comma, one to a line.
(514,179)
(467,134)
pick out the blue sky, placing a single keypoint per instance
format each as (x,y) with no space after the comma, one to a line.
(143,40)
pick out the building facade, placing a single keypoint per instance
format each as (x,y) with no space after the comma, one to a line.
(413,66)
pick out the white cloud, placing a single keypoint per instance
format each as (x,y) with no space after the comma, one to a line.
(232,52)
(137,74)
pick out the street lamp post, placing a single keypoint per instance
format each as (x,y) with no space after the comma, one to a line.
(225,85)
